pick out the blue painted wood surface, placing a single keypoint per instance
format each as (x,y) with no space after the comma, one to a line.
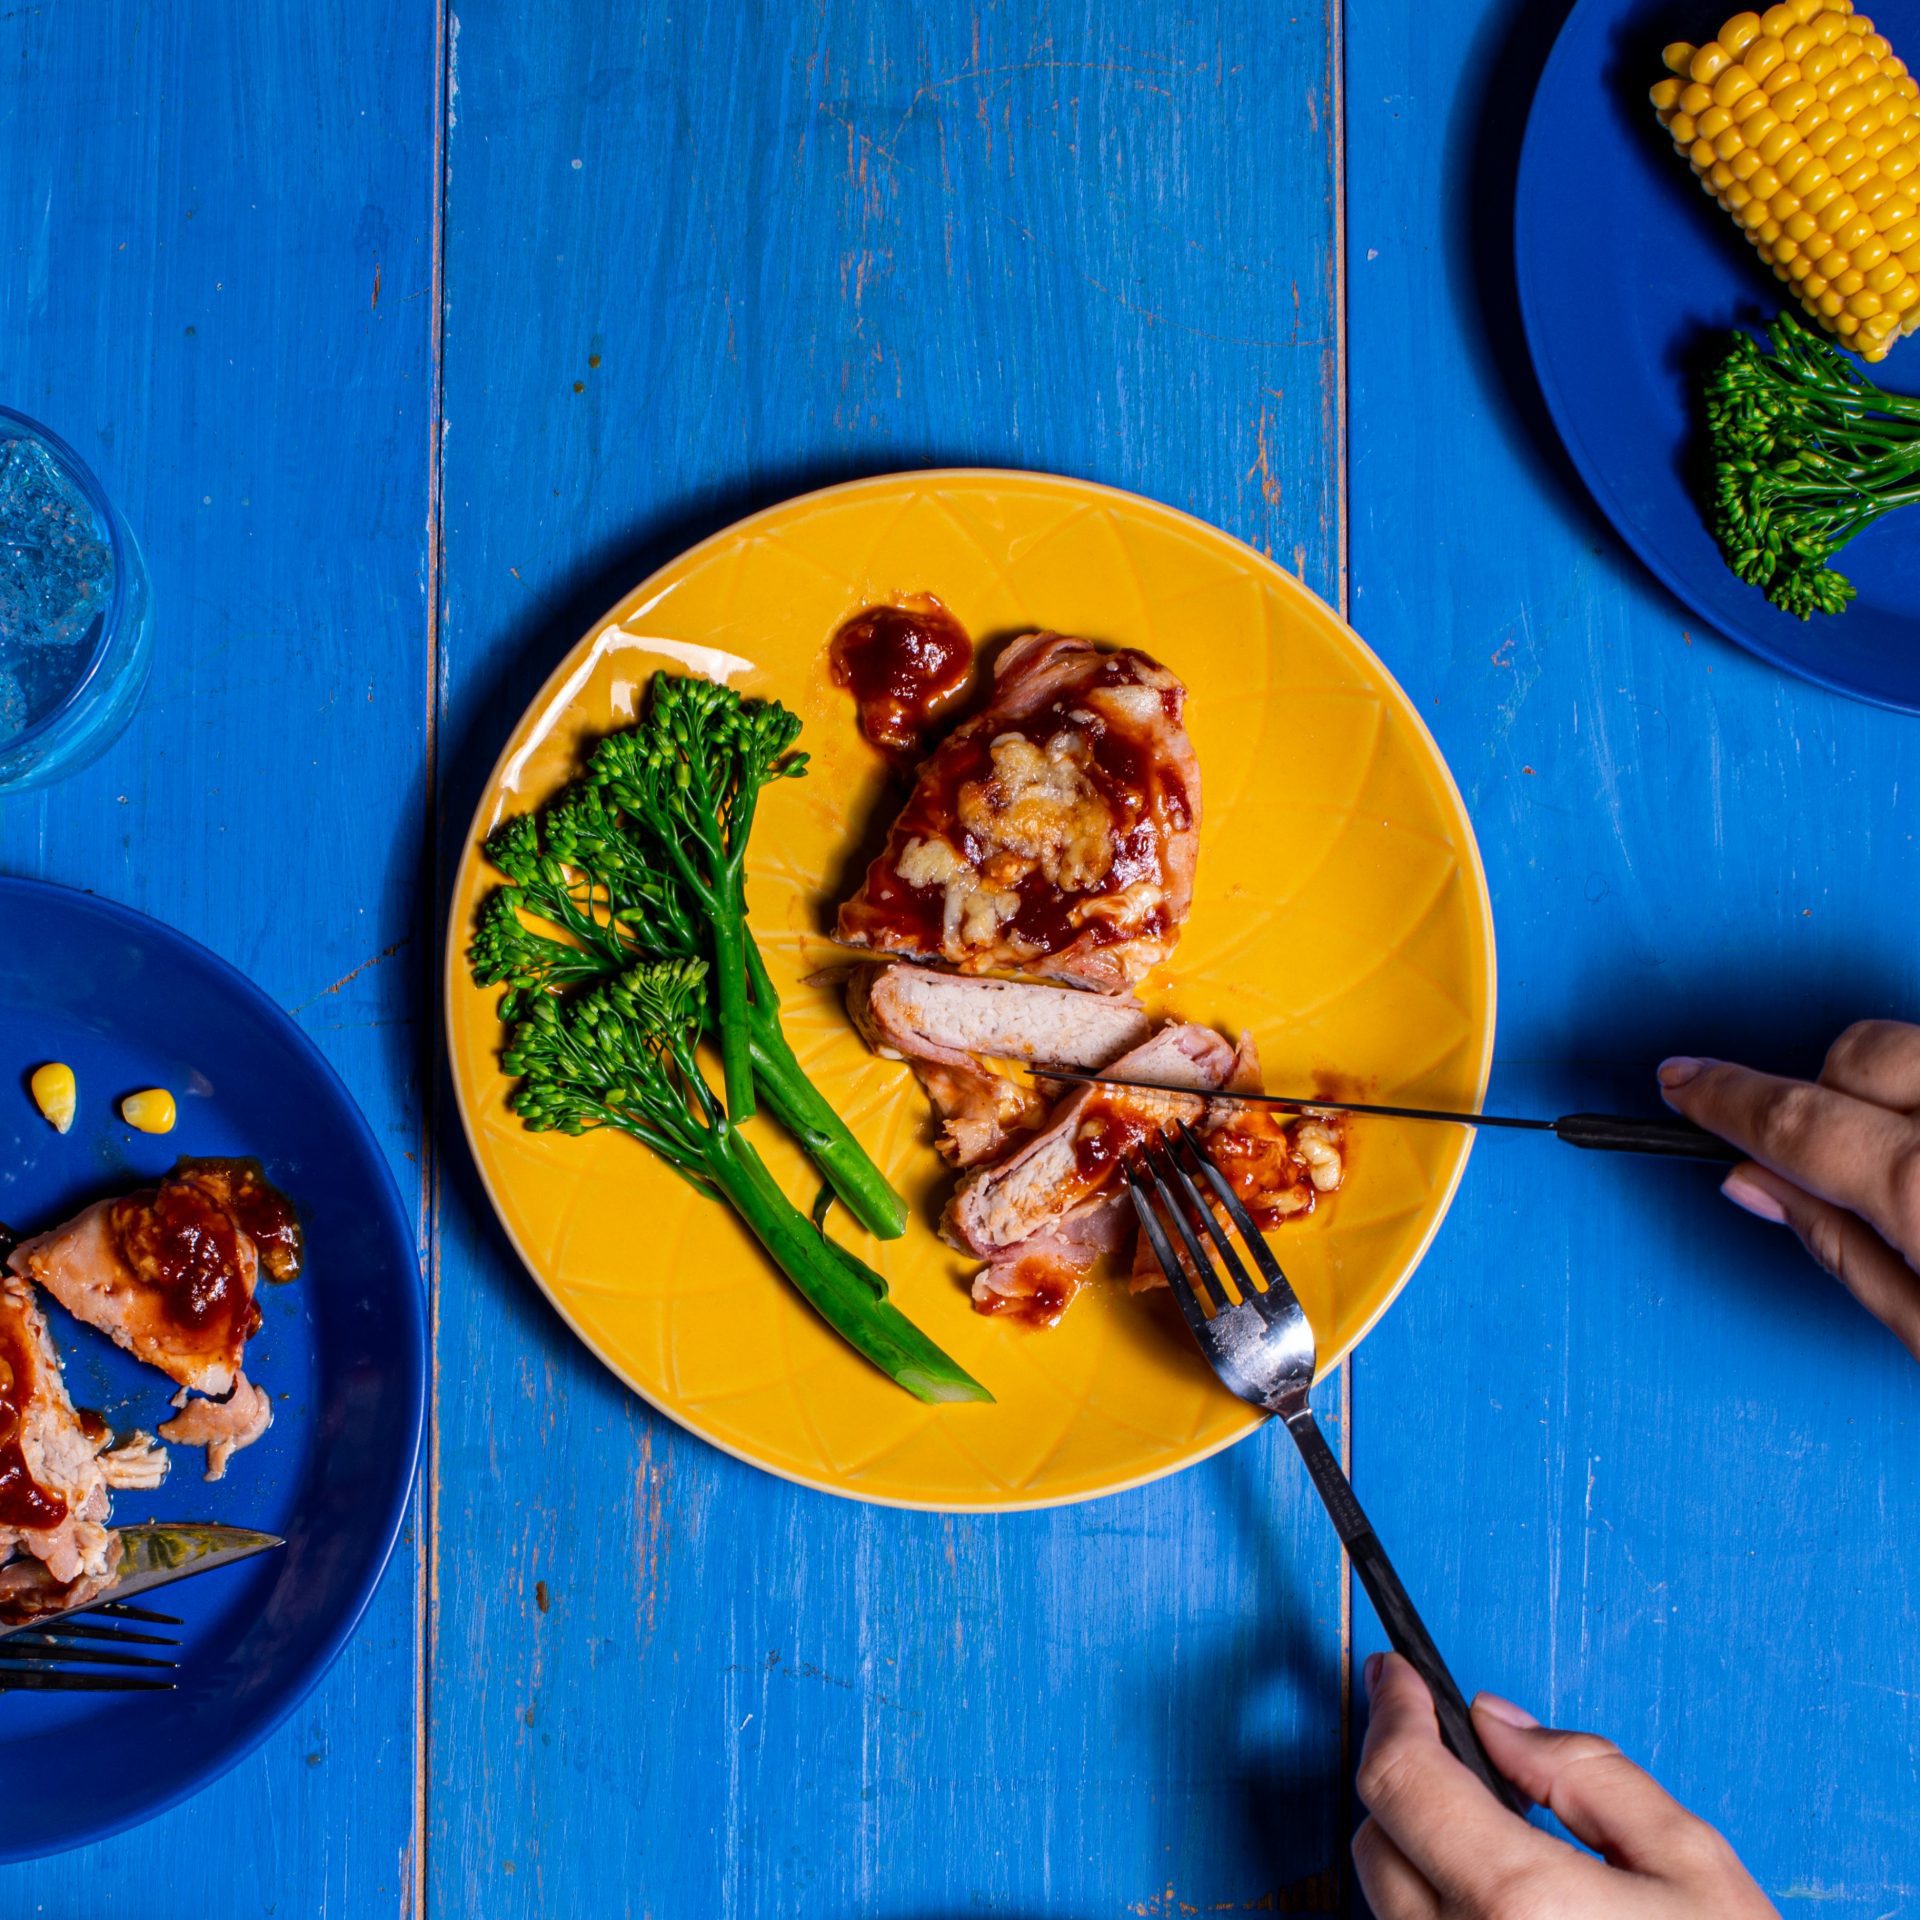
(1642,1468)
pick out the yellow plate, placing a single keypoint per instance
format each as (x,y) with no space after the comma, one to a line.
(1341,914)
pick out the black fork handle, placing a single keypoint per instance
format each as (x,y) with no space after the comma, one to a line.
(1405,1628)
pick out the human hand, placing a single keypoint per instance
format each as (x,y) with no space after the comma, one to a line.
(1837,1160)
(1438,1846)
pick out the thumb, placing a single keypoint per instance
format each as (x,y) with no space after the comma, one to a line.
(1885,1284)
(1593,1790)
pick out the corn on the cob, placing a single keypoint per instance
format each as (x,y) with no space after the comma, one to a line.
(1805,127)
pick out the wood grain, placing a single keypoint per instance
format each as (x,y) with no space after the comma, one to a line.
(217,247)
(699,261)
(1657,1465)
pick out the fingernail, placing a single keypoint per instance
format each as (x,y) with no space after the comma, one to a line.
(1754,1198)
(1503,1710)
(1679,1070)
(1371,1672)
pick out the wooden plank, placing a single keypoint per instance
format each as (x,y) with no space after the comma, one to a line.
(219,248)
(699,259)
(1648,1470)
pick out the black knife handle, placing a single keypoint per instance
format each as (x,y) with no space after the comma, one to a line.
(1614,1133)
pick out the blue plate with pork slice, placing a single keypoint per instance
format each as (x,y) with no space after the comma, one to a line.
(158,1289)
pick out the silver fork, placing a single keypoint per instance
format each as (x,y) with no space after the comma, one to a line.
(86,1654)
(1257,1337)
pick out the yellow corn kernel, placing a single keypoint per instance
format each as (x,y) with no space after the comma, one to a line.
(1713,123)
(1763,56)
(1735,197)
(1666,96)
(1829,303)
(1704,158)
(1887,276)
(1778,21)
(1745,164)
(1902,295)
(1685,130)
(1804,10)
(1755,215)
(1862,174)
(1864,304)
(1845,325)
(1817,245)
(1854,235)
(54,1093)
(1812,287)
(1763,182)
(1823,138)
(1793,100)
(1678,57)
(1785,76)
(1738,31)
(1799,41)
(1718,175)
(1694,98)
(1816,64)
(1749,108)
(1899,163)
(1868,253)
(1727,143)
(1732,84)
(1838,213)
(1847,284)
(1805,172)
(1830,27)
(1829,193)
(1707,63)
(1775,142)
(151,1110)
(1902,236)
(1910,258)
(1873,194)
(1799,267)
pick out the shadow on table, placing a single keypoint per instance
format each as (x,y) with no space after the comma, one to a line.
(1484,137)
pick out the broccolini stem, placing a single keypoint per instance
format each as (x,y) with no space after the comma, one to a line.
(804,1111)
(848,1295)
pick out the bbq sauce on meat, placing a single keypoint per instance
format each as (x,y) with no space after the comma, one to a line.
(24,1502)
(264,1213)
(1043,1289)
(1267,1176)
(182,1239)
(1141,800)
(903,666)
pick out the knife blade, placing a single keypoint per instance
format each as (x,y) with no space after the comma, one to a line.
(1597,1132)
(156,1554)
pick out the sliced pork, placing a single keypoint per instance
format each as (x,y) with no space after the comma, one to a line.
(1041,1217)
(223,1427)
(949,1026)
(53,1495)
(169,1272)
(1053,834)
(1278,1163)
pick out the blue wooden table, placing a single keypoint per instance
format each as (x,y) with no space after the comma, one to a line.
(408,340)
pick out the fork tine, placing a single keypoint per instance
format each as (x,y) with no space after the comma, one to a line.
(1229,1254)
(14,1654)
(1256,1241)
(80,1630)
(1206,1281)
(119,1610)
(41,1680)
(1164,1253)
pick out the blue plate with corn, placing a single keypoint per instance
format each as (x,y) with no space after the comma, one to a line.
(1731,381)
(123,1047)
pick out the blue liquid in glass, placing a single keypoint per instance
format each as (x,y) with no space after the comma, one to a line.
(56,583)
